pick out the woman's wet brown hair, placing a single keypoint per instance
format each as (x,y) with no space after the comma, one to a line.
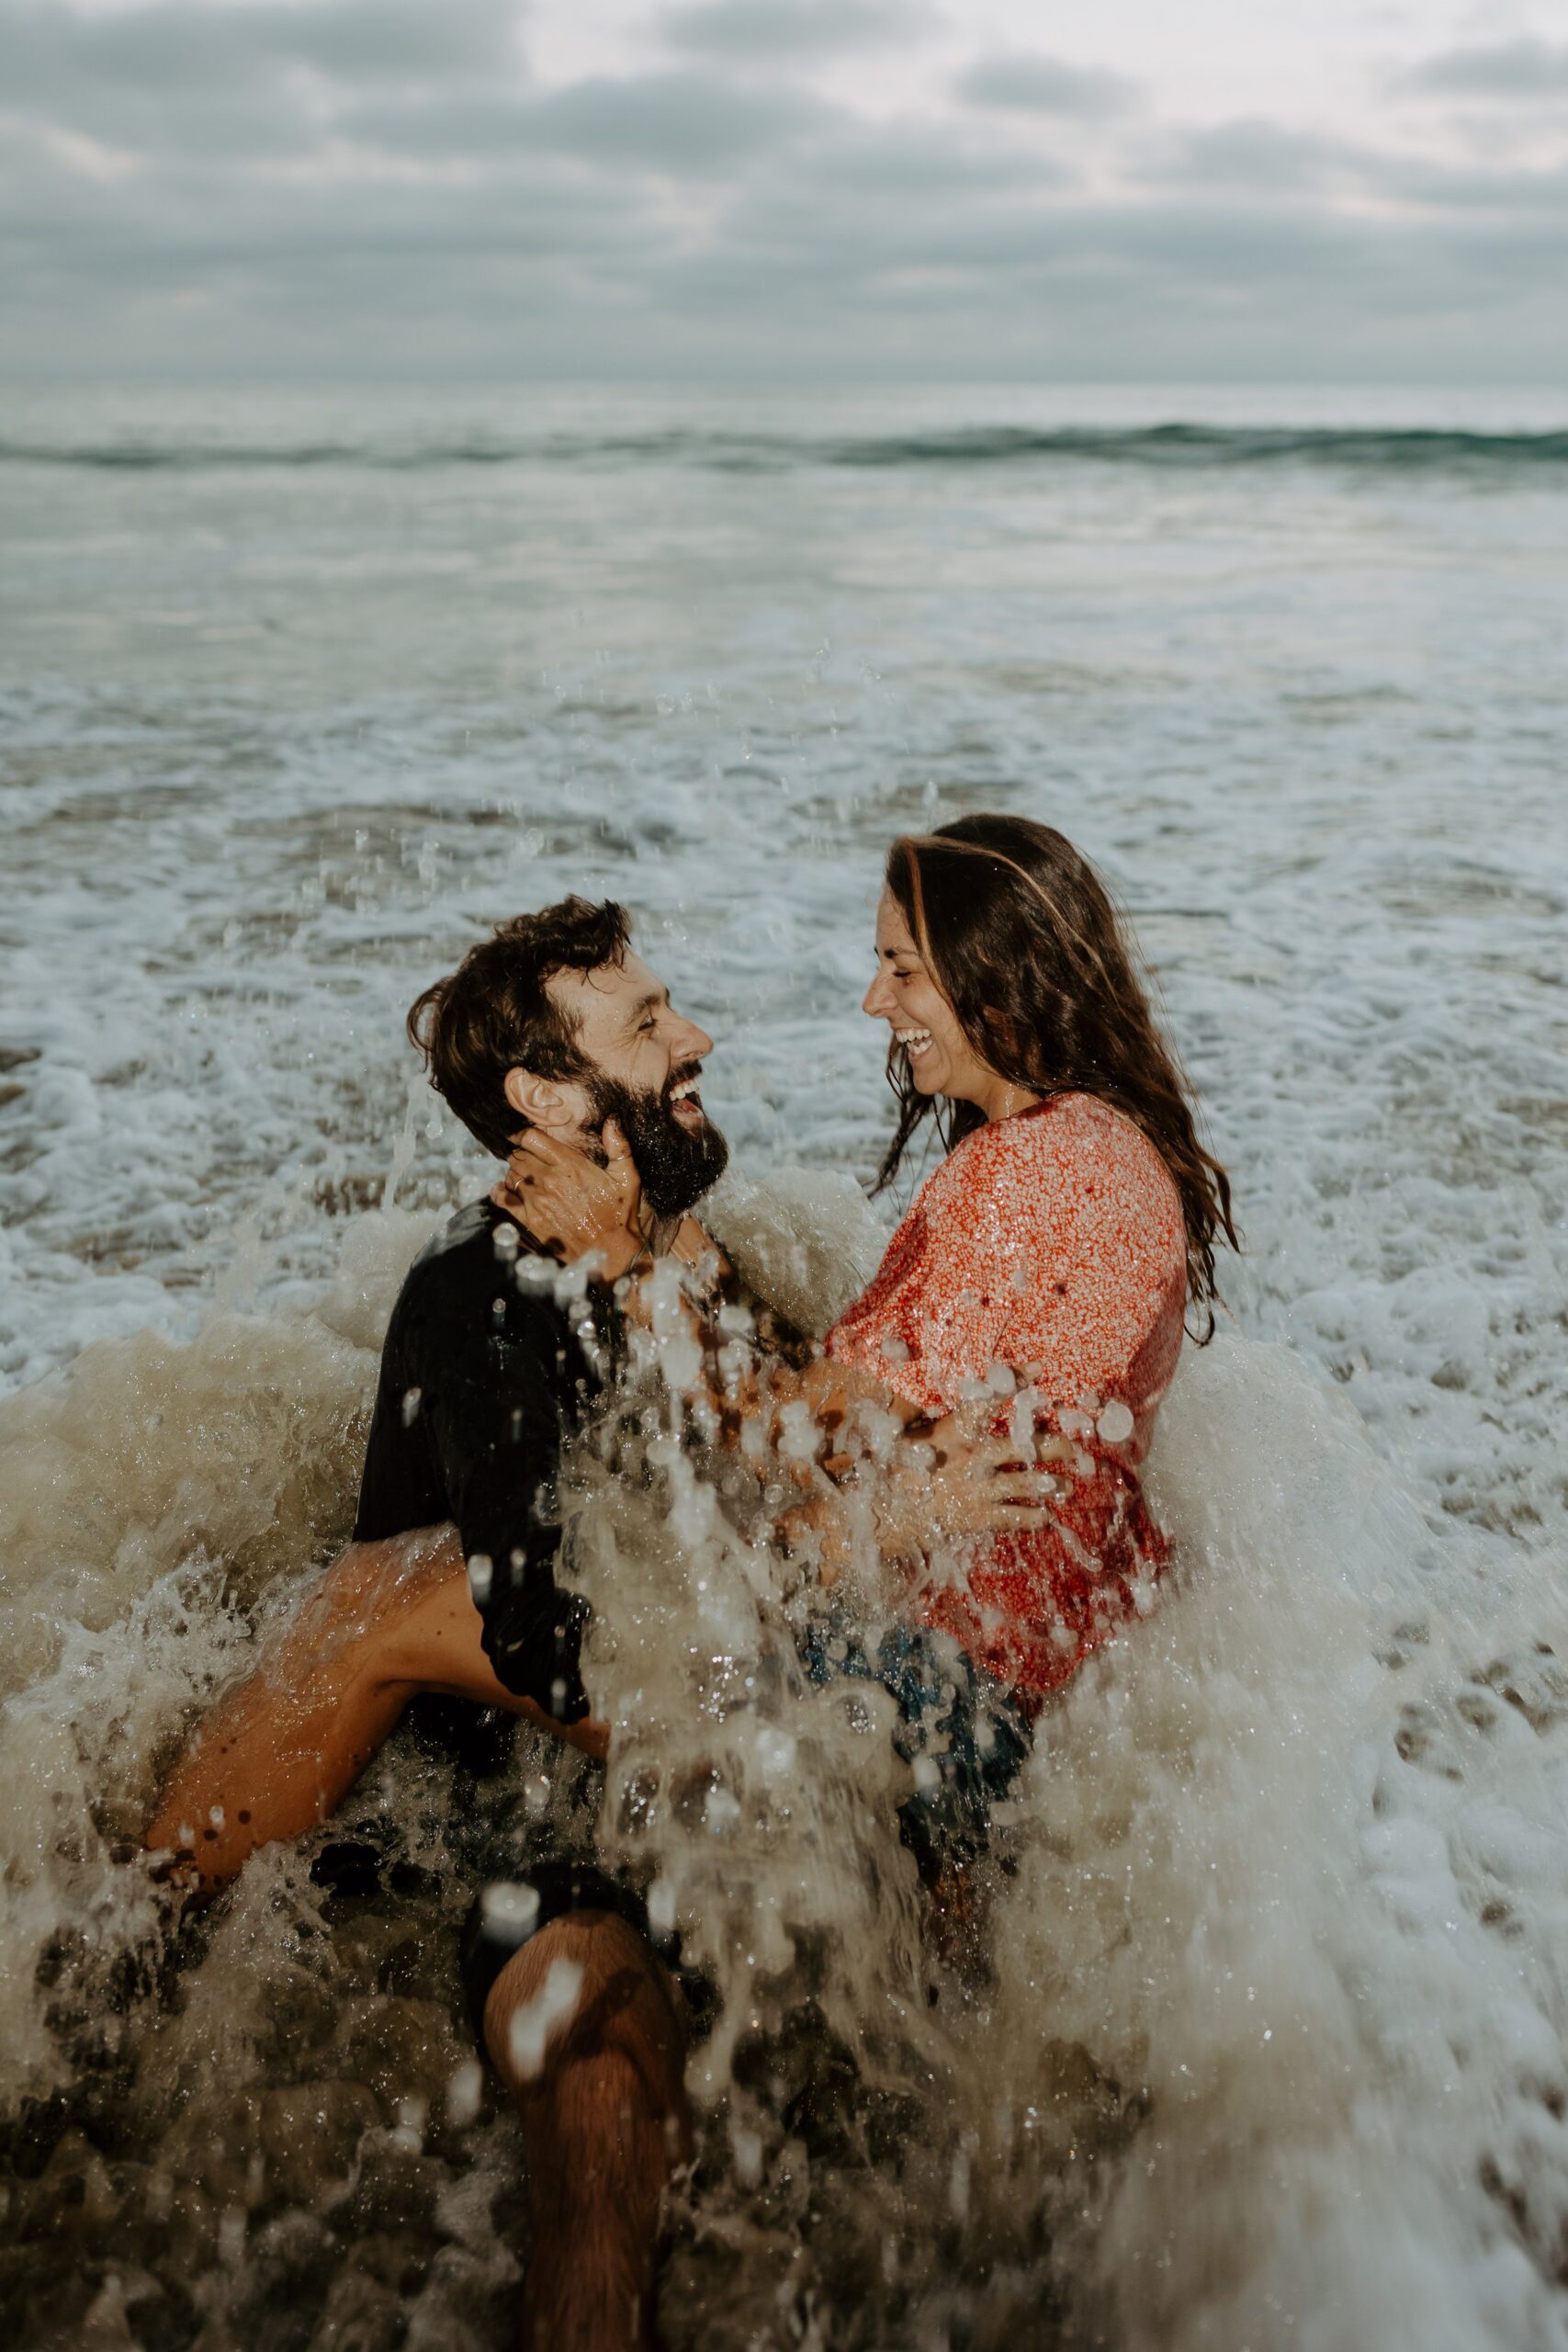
(1021,937)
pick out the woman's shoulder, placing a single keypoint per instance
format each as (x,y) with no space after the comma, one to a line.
(1068,1128)
(1068,1142)
(1087,1125)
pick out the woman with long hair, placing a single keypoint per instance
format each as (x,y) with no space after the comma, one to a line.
(1054,1254)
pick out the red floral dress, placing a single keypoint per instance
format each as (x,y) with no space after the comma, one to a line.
(1045,1259)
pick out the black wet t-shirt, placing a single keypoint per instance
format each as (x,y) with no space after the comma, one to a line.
(483,1379)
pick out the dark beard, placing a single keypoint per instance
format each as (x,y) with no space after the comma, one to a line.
(676,1167)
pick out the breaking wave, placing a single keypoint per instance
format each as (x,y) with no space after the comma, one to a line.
(1175,445)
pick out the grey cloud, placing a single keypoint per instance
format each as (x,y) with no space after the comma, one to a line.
(1186,283)
(480,283)
(1027,83)
(397,39)
(686,124)
(450,216)
(771,30)
(675,122)
(1259,158)
(1479,197)
(477,123)
(53,50)
(1025,241)
(246,80)
(396,277)
(1262,161)
(863,215)
(259,82)
(1506,69)
(897,162)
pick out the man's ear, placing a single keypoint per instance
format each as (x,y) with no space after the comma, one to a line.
(538,1101)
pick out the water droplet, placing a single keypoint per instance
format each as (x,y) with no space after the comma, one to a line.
(532,2024)
(465,2089)
(511,1908)
(746,2147)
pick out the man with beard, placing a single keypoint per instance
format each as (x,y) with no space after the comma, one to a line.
(556,1026)
(553,1025)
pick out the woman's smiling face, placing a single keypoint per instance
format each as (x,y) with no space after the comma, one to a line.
(905,995)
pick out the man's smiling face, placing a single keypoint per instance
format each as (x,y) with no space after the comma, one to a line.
(647,1070)
(624,1022)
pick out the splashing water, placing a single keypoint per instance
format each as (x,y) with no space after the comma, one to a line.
(1271,2045)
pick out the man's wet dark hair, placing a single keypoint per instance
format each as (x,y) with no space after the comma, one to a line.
(495,1013)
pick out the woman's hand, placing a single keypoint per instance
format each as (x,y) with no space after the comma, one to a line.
(568,1205)
(957,1480)
(970,1425)
(954,1482)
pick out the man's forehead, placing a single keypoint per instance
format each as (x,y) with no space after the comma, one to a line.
(599,1003)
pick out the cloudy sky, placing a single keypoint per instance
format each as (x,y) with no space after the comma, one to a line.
(1255,189)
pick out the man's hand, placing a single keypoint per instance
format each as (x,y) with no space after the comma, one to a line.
(568,1206)
(591,1734)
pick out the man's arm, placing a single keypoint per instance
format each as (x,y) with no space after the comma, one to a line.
(275,1755)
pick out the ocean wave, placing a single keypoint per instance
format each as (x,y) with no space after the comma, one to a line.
(1365,448)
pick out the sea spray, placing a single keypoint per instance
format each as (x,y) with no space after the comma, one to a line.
(1290,1929)
(168,1506)
(1262,1927)
(1268,2045)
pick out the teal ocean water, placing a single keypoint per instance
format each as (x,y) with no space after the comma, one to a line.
(300,690)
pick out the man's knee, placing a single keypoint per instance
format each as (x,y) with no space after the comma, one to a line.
(588,1987)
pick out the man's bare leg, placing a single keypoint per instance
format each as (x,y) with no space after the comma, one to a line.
(275,1755)
(586,2029)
